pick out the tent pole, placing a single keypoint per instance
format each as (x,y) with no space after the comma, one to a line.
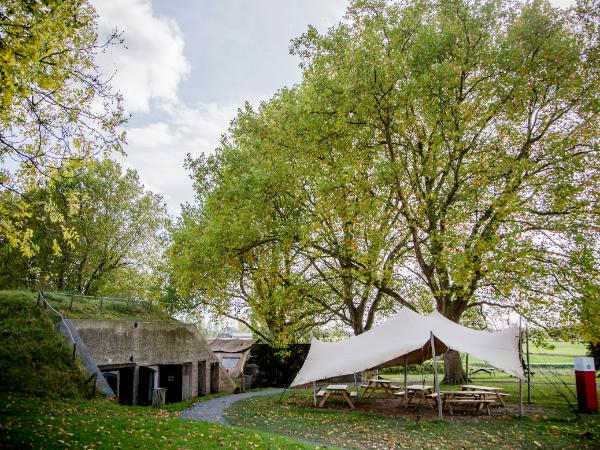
(528,367)
(281,396)
(467,368)
(435,378)
(520,380)
(356,384)
(405,382)
(314,394)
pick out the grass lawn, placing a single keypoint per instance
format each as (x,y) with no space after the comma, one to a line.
(34,423)
(337,425)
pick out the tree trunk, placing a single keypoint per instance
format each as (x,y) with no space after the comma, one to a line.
(453,369)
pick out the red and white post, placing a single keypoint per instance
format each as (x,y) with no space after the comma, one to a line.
(585,380)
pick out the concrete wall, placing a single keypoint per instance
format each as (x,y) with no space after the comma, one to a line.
(122,342)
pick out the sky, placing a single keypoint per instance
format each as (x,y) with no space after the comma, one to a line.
(186,66)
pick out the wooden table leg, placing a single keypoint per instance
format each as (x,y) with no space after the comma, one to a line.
(500,398)
(327,394)
(426,400)
(345,395)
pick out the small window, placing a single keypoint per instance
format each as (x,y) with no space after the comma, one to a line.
(229,362)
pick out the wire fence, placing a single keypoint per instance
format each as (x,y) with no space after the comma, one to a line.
(102,301)
(47,305)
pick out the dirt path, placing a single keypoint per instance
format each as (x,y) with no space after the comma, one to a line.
(212,410)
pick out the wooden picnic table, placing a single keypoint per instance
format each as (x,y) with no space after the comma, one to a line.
(418,391)
(378,384)
(471,397)
(489,370)
(340,390)
(491,390)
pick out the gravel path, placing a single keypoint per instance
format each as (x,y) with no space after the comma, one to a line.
(212,410)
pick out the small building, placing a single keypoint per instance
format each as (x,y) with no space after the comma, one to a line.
(232,352)
(136,357)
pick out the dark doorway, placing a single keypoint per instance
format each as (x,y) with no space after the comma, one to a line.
(214,377)
(201,378)
(126,385)
(145,385)
(112,378)
(170,379)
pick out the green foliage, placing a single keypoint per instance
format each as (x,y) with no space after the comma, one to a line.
(436,154)
(29,423)
(55,106)
(34,358)
(484,119)
(107,233)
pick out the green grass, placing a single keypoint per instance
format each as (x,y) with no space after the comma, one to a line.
(28,423)
(555,352)
(91,308)
(296,417)
(34,359)
(560,347)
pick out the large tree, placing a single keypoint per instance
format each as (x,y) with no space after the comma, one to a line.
(268,212)
(441,152)
(56,107)
(485,119)
(108,227)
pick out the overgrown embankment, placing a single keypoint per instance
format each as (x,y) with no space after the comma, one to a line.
(35,360)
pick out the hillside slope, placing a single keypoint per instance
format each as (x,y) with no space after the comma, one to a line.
(35,360)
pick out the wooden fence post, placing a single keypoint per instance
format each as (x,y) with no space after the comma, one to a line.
(71,304)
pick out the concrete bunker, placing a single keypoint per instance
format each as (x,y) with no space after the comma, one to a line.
(137,357)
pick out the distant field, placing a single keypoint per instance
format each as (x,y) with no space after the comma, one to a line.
(561,347)
(554,353)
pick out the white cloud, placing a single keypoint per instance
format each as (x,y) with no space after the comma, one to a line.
(152,64)
(238,52)
(150,136)
(158,150)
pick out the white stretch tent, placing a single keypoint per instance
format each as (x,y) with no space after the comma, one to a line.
(407,334)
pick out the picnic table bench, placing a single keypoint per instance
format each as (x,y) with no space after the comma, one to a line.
(339,390)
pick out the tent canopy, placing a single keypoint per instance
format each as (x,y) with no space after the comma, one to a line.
(407,334)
